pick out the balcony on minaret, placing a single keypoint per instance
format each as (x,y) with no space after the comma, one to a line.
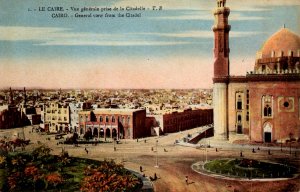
(221,14)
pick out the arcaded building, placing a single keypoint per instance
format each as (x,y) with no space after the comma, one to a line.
(114,123)
(263,105)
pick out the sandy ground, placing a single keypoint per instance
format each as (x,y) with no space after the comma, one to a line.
(174,162)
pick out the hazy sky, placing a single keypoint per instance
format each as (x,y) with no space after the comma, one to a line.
(171,48)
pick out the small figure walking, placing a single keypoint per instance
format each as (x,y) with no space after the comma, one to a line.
(269,152)
(187,180)
(258,148)
(87,151)
(253,151)
(216,149)
(155,177)
(141,169)
(241,154)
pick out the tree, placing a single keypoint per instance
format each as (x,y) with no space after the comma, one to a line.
(109,177)
(41,152)
(53,179)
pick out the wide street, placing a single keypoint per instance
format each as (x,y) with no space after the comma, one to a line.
(174,161)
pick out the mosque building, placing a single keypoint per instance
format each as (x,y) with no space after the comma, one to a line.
(263,105)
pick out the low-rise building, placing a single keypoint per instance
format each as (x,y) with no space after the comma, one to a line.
(114,123)
(175,121)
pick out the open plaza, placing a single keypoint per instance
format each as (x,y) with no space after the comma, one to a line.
(172,163)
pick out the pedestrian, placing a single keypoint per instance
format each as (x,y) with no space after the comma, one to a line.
(141,169)
(241,154)
(253,151)
(186,179)
(269,152)
(258,148)
(216,149)
(155,177)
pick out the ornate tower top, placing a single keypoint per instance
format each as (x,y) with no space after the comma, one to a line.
(221,3)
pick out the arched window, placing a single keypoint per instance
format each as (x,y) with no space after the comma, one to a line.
(239,105)
(267,103)
(106,119)
(239,118)
(101,119)
(267,111)
(113,119)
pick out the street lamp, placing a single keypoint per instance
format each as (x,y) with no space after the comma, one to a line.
(156,162)
(206,153)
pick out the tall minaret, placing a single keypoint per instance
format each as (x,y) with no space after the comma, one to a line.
(221,69)
(10,97)
(25,97)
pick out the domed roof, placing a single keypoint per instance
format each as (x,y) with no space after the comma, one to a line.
(282,41)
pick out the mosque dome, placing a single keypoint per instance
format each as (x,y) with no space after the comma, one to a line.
(279,54)
(282,43)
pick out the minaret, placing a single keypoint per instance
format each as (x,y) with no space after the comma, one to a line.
(25,97)
(60,96)
(221,69)
(10,98)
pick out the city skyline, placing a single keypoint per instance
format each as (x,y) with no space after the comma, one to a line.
(170,48)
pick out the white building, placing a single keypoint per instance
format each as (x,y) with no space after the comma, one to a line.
(56,118)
